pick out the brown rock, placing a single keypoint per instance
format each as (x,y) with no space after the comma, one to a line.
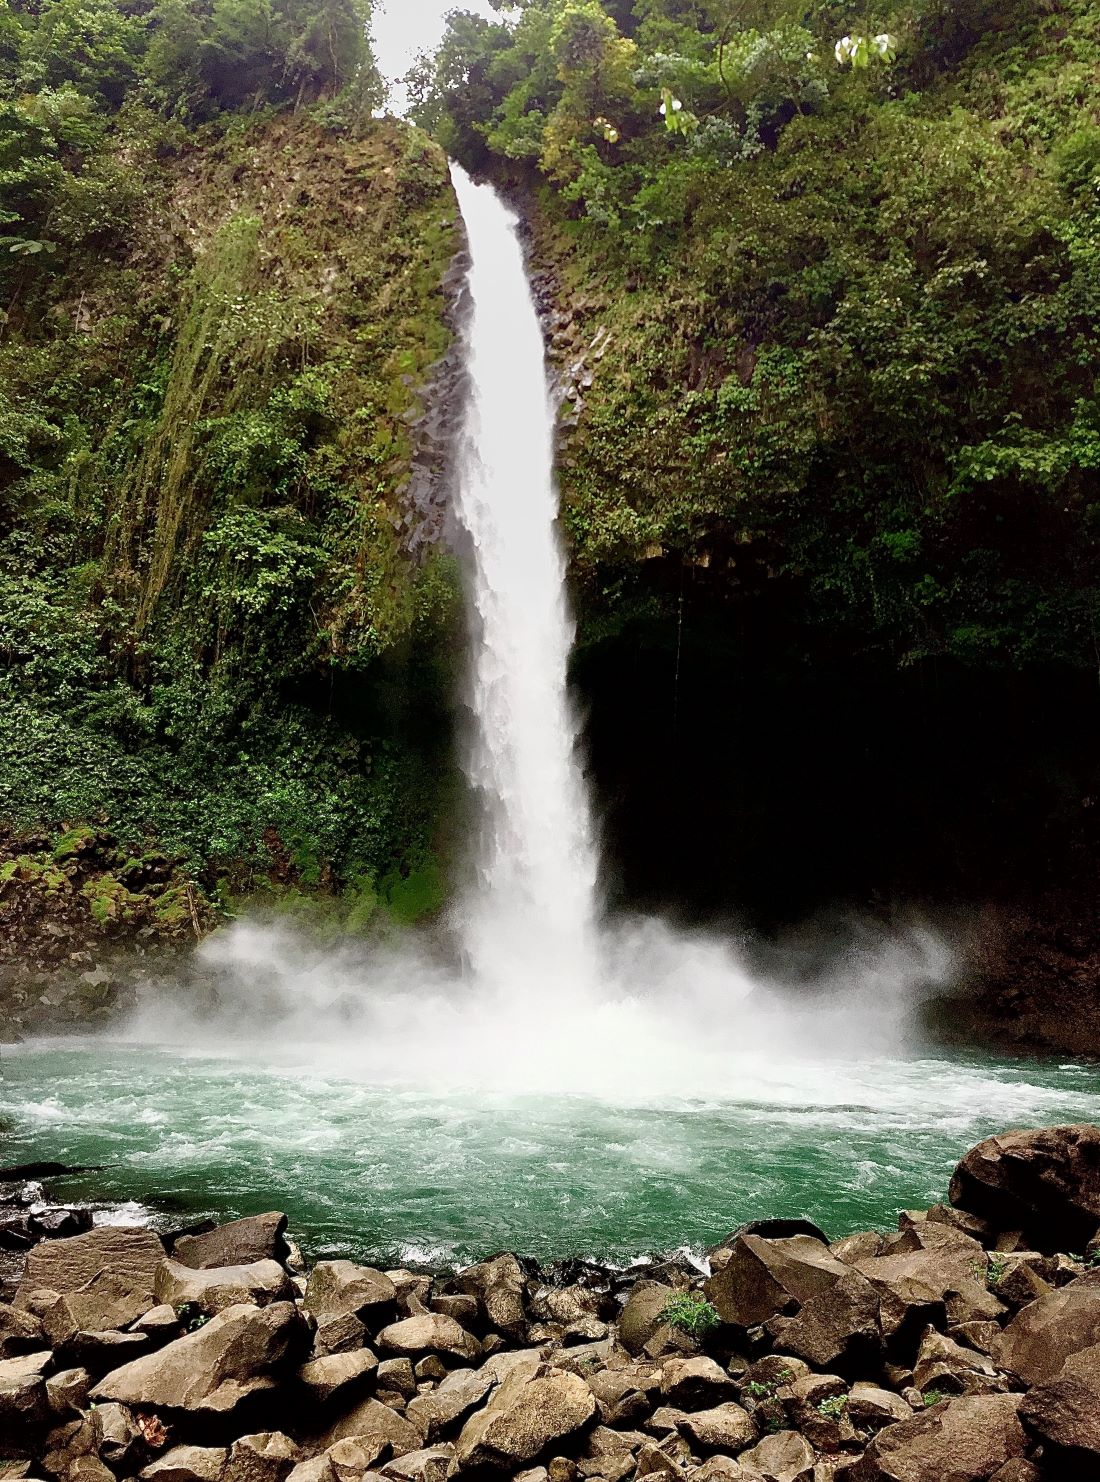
(20,1332)
(429,1465)
(1064,1414)
(783,1457)
(524,1419)
(450,1402)
(377,1428)
(67,1391)
(964,1439)
(131,1256)
(501,1286)
(187,1464)
(1040,1338)
(837,1330)
(871,1408)
(24,1401)
(237,1354)
(726,1428)
(260,1237)
(337,1288)
(342,1333)
(338,1376)
(695,1383)
(430,1332)
(267,1457)
(1046,1183)
(764,1278)
(945,1366)
(212,1289)
(817,1407)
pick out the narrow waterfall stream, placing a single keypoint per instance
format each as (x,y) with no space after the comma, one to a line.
(574,1085)
(530,910)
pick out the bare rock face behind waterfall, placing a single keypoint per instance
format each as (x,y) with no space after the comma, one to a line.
(964,1347)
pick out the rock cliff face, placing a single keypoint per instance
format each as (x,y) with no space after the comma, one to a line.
(963,1346)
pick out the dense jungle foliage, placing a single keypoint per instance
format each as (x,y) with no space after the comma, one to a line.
(844,261)
(219,292)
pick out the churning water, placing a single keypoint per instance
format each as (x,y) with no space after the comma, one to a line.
(560,1083)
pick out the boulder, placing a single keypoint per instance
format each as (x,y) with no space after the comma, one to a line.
(67,1392)
(621,1396)
(376,1429)
(20,1332)
(946,1366)
(108,1302)
(339,1288)
(212,1289)
(340,1334)
(783,1457)
(695,1383)
(267,1457)
(501,1286)
(260,1237)
(187,1464)
(397,1376)
(915,1287)
(236,1355)
(965,1439)
(350,1458)
(643,1314)
(871,1407)
(120,1438)
(1064,1414)
(452,1400)
(764,1278)
(1044,1334)
(817,1407)
(433,1333)
(523,1420)
(130,1256)
(24,1401)
(838,1330)
(336,1376)
(430,1465)
(1046,1183)
(725,1428)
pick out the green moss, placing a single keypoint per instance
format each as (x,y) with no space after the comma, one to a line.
(419,894)
(111,904)
(75,842)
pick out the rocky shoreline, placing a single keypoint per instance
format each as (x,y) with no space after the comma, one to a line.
(963,1348)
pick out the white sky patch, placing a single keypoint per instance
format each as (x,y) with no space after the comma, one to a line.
(402,28)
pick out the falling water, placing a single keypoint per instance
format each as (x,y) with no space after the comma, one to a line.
(532,905)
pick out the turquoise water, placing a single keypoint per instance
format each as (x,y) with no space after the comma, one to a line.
(407,1173)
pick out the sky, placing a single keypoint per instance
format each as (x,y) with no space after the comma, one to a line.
(404,27)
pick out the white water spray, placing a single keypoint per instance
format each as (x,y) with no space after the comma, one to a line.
(531,910)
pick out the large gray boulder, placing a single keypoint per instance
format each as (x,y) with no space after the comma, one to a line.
(443,1409)
(643,1314)
(764,1278)
(212,1289)
(337,1376)
(724,1428)
(1045,1183)
(238,1354)
(260,1237)
(110,1301)
(526,1418)
(966,1439)
(378,1431)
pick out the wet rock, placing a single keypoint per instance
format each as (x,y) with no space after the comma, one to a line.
(966,1439)
(764,1278)
(501,1286)
(783,1457)
(1064,1414)
(338,1376)
(236,1355)
(59,1223)
(129,1256)
(339,1288)
(1043,1335)
(523,1420)
(430,1332)
(260,1237)
(643,1314)
(212,1289)
(450,1403)
(726,1428)
(1046,1183)
(187,1464)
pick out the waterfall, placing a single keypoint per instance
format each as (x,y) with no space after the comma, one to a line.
(530,909)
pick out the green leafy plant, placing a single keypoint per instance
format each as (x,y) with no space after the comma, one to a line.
(691,1313)
(834,1408)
